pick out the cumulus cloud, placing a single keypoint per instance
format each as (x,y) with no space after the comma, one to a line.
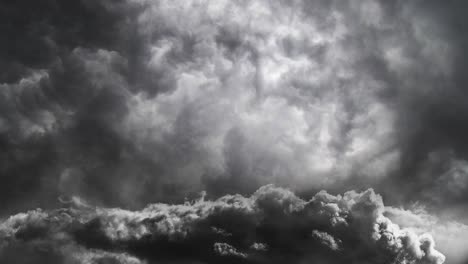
(449,234)
(272,225)
(134,101)
(305,94)
(224,249)
(326,239)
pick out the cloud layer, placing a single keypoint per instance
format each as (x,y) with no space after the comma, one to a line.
(237,94)
(129,102)
(271,226)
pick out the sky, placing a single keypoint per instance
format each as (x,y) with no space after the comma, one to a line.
(233,131)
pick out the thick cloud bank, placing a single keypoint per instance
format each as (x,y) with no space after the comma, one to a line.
(165,98)
(130,102)
(271,226)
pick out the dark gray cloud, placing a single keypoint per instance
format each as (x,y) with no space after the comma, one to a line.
(271,226)
(128,102)
(314,96)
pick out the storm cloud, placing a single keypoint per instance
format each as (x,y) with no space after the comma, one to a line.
(271,226)
(129,102)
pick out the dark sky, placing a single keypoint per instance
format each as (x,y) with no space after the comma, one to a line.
(127,103)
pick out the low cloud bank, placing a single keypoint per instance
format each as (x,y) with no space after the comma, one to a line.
(273,225)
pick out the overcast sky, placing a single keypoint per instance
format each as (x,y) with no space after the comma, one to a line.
(233,131)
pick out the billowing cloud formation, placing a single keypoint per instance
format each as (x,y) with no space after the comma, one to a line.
(271,226)
(326,239)
(126,102)
(166,98)
(449,235)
